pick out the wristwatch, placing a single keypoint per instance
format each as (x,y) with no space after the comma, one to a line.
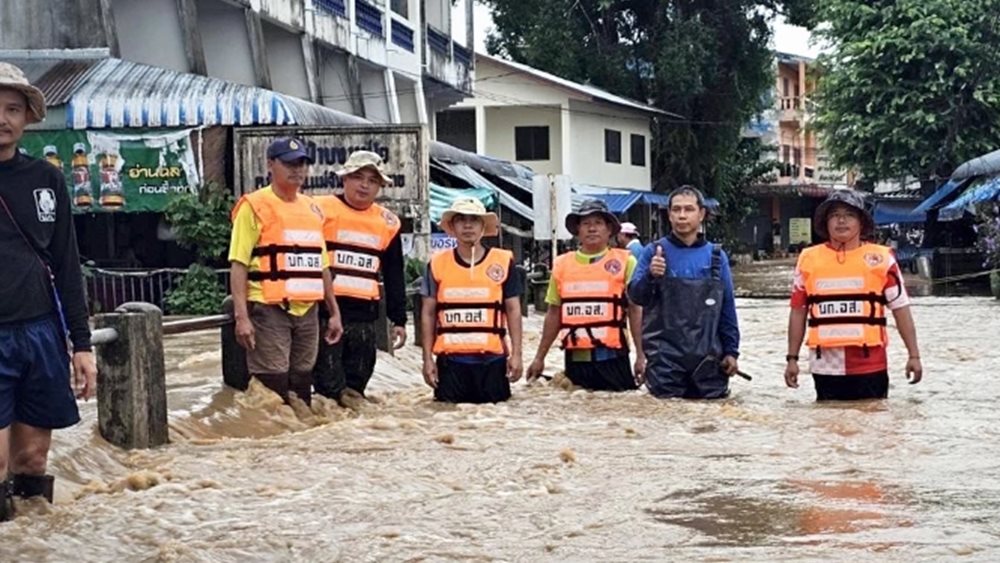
(792,358)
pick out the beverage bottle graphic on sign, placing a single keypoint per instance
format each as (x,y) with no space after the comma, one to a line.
(52,155)
(112,196)
(82,194)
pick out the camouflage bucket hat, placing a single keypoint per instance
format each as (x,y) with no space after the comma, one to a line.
(850,198)
(13,78)
(365,159)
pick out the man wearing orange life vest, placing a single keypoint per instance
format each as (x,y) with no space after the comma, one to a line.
(839,296)
(589,309)
(278,274)
(470,302)
(364,246)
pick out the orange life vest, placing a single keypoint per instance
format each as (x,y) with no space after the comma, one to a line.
(470,307)
(290,247)
(845,295)
(355,240)
(593,300)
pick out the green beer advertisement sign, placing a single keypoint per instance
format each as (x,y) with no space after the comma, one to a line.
(118,171)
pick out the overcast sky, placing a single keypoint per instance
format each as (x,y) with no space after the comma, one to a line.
(787,38)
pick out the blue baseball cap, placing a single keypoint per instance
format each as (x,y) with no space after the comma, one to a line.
(288,149)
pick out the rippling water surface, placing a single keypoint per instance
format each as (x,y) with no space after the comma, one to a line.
(554,474)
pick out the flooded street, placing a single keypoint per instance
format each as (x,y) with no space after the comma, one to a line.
(553,474)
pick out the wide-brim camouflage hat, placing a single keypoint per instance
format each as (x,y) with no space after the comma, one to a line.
(13,78)
(850,198)
(365,159)
(592,207)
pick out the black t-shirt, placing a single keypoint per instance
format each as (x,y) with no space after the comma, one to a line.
(35,193)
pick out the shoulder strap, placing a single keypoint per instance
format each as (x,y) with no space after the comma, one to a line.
(24,237)
(716,261)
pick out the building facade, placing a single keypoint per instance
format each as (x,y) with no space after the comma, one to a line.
(389,61)
(552,125)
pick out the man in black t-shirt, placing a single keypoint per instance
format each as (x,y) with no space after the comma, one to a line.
(41,300)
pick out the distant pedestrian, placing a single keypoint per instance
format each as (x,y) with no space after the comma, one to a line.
(840,294)
(628,238)
(41,300)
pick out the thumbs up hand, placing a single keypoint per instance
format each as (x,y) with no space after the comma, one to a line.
(658,265)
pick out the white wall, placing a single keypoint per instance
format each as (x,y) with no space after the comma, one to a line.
(587,123)
(376,98)
(149,32)
(227,46)
(406,92)
(335,81)
(500,124)
(285,61)
(438,15)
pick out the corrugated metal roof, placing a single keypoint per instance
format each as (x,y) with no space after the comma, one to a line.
(62,79)
(107,92)
(585,89)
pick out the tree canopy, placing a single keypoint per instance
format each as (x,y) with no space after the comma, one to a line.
(708,61)
(911,87)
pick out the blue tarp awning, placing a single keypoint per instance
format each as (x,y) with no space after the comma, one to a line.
(987,191)
(889,212)
(621,201)
(442,197)
(949,188)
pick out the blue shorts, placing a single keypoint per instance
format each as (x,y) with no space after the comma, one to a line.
(35,386)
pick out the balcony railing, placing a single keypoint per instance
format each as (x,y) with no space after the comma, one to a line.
(791,102)
(336,7)
(402,35)
(369,18)
(438,41)
(462,55)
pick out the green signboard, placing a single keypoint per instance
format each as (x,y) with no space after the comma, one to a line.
(118,170)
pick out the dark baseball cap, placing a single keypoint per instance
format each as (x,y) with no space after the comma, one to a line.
(288,149)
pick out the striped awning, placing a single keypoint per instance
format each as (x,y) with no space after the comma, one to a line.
(105,92)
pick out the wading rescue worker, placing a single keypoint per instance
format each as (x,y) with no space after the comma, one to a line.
(41,268)
(363,241)
(840,293)
(589,307)
(471,300)
(279,273)
(690,331)
(628,238)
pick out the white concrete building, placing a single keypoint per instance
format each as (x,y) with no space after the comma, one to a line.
(552,125)
(389,61)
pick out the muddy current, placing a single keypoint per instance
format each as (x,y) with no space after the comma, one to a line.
(555,474)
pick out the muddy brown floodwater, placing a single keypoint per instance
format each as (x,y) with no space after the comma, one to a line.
(554,474)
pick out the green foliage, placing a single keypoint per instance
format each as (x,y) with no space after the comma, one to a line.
(413,269)
(751,167)
(708,62)
(912,87)
(201,220)
(198,293)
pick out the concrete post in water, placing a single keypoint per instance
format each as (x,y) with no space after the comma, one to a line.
(522,274)
(234,357)
(417,301)
(131,378)
(383,341)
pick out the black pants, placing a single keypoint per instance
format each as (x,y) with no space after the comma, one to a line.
(348,363)
(851,387)
(460,382)
(606,375)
